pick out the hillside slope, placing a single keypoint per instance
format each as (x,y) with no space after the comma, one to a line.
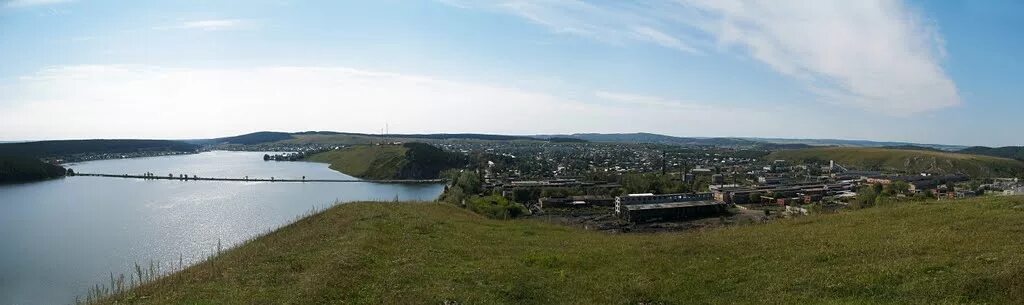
(373,253)
(909,161)
(407,161)
(1012,152)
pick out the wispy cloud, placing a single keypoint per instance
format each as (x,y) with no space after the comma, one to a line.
(196,101)
(874,54)
(211,25)
(27,3)
(634,99)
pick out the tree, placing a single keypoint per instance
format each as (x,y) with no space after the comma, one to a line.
(755,197)
(866,196)
(896,188)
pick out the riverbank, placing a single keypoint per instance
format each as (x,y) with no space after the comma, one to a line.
(427,253)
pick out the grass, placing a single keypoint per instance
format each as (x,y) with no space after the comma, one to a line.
(904,160)
(366,161)
(948,252)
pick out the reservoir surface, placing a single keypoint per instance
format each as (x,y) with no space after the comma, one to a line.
(60,237)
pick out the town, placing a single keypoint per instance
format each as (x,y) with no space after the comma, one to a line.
(654,187)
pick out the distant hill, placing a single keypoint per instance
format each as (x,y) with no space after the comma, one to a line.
(913,147)
(380,162)
(350,138)
(566,140)
(854,143)
(42,149)
(1012,152)
(907,161)
(15,169)
(652,138)
(256,138)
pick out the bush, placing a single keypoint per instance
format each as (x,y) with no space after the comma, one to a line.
(497,207)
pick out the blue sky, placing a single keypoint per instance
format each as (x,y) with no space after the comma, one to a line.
(935,72)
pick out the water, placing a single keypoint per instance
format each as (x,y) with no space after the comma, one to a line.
(59,237)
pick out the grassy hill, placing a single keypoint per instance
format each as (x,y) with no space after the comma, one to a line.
(365,161)
(950,252)
(407,161)
(911,161)
(1012,152)
(24,169)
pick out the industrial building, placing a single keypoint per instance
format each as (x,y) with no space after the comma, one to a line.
(638,208)
(807,192)
(574,201)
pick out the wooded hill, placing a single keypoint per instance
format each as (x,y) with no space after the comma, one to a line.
(15,169)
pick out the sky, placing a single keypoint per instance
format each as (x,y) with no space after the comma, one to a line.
(944,72)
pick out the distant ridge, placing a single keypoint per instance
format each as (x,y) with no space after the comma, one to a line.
(652,138)
(638,137)
(41,149)
(272,136)
(857,143)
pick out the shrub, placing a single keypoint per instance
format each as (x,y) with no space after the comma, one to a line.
(497,207)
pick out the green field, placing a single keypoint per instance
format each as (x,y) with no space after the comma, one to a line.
(949,252)
(366,161)
(908,161)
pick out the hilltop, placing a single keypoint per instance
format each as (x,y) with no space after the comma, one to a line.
(948,252)
(380,162)
(908,161)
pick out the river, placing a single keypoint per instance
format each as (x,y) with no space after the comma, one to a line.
(59,237)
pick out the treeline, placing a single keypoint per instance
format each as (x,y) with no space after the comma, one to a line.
(43,149)
(15,169)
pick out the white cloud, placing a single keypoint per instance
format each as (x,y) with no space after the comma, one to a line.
(27,3)
(211,25)
(873,54)
(162,102)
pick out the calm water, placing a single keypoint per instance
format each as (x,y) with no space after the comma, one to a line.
(59,237)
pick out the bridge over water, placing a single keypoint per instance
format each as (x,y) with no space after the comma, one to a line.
(195,178)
